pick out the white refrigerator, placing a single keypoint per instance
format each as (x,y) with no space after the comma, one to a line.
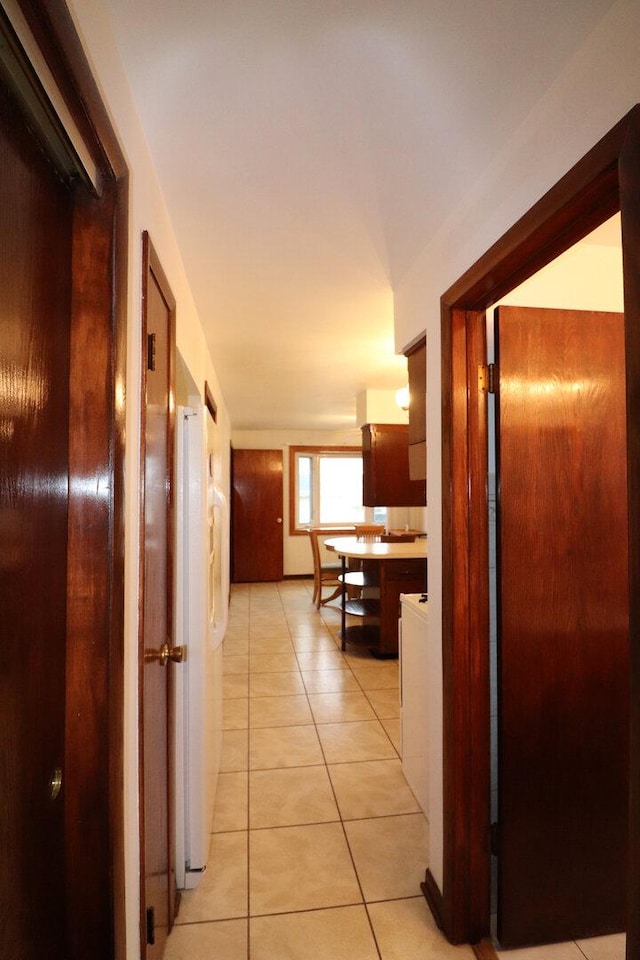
(201,610)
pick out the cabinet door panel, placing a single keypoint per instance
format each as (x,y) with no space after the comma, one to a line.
(417,370)
(385,459)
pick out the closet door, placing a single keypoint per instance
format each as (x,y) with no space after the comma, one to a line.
(35,303)
(156,669)
(563,669)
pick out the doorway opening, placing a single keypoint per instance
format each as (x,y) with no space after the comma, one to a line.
(605,181)
(552,396)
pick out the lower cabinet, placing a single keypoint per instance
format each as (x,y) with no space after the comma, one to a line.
(376,609)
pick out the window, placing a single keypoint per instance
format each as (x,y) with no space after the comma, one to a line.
(325,488)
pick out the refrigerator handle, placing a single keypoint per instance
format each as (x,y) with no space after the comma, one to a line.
(220,576)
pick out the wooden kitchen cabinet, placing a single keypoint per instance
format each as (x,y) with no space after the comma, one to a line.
(385,461)
(417,370)
(396,577)
(377,613)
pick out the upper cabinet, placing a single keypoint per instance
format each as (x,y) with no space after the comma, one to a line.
(385,461)
(417,369)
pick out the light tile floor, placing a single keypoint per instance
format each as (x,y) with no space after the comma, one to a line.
(318,845)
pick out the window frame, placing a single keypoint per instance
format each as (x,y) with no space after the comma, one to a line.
(304,449)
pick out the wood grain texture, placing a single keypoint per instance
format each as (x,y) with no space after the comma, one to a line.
(89,580)
(433,896)
(396,577)
(484,950)
(256,515)
(563,633)
(156,794)
(629,189)
(603,181)
(417,373)
(385,464)
(95,915)
(36,213)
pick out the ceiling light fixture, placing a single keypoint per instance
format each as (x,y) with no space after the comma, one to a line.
(402,398)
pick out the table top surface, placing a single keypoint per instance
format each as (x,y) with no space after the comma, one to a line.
(374,550)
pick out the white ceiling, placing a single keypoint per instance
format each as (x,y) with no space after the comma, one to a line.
(307,149)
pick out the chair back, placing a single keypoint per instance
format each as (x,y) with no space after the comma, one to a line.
(369,531)
(326,573)
(315,549)
(318,534)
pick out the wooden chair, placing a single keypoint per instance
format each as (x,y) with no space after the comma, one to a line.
(369,531)
(361,573)
(364,573)
(325,574)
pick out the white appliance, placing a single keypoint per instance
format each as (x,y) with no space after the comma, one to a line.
(414,701)
(421,719)
(201,611)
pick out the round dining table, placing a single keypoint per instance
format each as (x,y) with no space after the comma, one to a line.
(387,570)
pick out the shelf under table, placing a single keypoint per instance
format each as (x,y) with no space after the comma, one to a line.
(361,635)
(362,607)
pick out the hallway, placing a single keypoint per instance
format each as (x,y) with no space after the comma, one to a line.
(318,845)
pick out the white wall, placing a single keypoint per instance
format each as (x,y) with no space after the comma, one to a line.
(598,86)
(297,549)
(147,212)
(379,406)
(583,278)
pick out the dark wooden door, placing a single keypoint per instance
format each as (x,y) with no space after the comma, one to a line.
(158,876)
(35,284)
(562,625)
(256,515)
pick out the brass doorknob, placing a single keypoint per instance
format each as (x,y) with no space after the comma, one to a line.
(177,654)
(166,653)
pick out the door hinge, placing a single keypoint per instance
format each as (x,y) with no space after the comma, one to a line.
(487,377)
(151,925)
(494,839)
(151,351)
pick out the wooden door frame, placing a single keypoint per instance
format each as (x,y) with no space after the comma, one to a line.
(151,266)
(604,181)
(93,788)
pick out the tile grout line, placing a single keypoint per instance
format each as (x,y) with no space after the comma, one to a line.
(342,822)
(247,856)
(342,826)
(248,762)
(324,764)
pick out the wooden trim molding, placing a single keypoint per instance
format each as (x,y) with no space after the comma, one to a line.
(142,453)
(605,180)
(484,950)
(433,897)
(293,450)
(210,403)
